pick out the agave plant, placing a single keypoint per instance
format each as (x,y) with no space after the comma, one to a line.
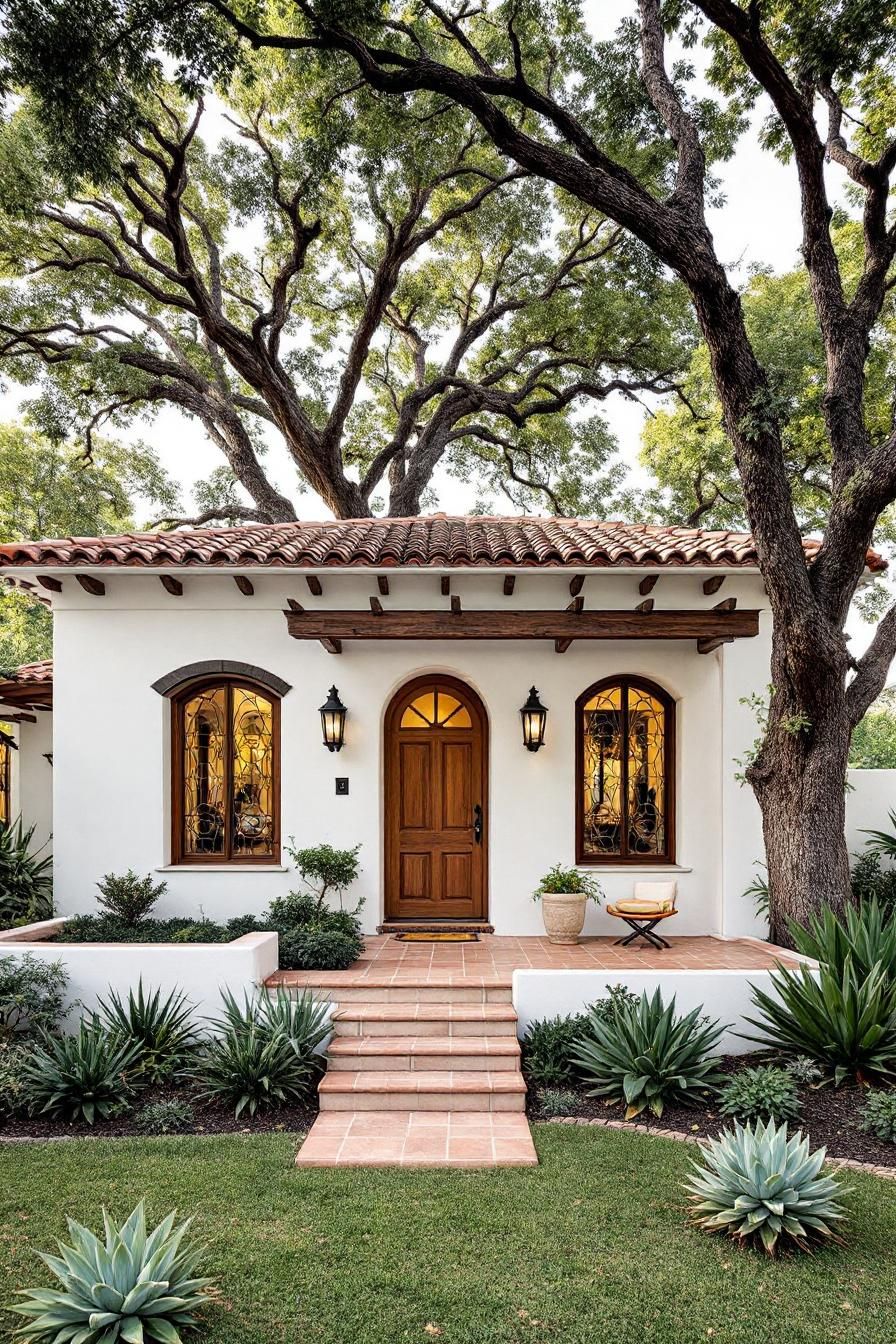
(160,1027)
(26,879)
(257,1057)
(845,1022)
(864,934)
(80,1077)
(646,1056)
(883,842)
(136,1287)
(757,1184)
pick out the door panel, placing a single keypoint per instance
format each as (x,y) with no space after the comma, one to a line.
(457,780)
(436,771)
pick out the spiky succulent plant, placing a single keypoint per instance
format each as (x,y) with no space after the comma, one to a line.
(755,1183)
(137,1287)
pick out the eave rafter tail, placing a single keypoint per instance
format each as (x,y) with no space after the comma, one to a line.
(704,626)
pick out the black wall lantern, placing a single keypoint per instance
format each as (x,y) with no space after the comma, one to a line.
(332,719)
(534,717)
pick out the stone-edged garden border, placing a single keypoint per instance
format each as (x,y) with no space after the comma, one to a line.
(870,1168)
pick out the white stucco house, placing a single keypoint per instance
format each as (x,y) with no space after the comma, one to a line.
(185,736)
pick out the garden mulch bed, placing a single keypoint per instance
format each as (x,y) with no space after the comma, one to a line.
(830,1116)
(209,1120)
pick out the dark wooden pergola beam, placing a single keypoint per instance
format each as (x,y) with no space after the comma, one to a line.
(710,645)
(445,585)
(246,586)
(332,645)
(376,606)
(47,581)
(713,585)
(315,587)
(171,585)
(504,624)
(509,584)
(647,584)
(382,583)
(645,606)
(576,584)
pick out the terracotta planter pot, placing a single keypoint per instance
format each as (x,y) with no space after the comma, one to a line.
(564,915)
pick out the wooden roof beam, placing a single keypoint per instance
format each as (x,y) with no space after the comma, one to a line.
(95,587)
(509,584)
(332,645)
(710,645)
(645,606)
(713,585)
(315,587)
(382,583)
(647,584)
(445,585)
(47,581)
(514,624)
(576,584)
(376,606)
(246,586)
(171,585)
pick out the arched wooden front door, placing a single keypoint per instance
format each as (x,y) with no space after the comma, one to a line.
(436,809)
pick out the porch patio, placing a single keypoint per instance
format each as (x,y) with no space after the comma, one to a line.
(490,962)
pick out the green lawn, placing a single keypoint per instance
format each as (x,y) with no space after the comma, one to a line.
(589,1247)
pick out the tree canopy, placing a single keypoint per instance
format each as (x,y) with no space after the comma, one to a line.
(372,285)
(48,488)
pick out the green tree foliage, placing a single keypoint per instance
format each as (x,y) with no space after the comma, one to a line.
(369,285)
(874,737)
(686,448)
(49,488)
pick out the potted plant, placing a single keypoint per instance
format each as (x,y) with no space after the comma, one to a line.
(563,893)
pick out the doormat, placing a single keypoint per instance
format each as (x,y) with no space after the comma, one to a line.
(437,937)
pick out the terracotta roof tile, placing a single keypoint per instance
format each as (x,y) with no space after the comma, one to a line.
(30,684)
(435,541)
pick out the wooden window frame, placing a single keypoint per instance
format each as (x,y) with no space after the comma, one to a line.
(623,859)
(179,856)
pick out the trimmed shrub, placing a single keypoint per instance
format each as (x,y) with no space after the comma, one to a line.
(878,1116)
(161,1028)
(135,1286)
(756,1184)
(32,996)
(548,1047)
(617,997)
(81,1077)
(845,1023)
(324,869)
(165,1117)
(128,897)
(319,949)
(871,881)
(763,1093)
(648,1057)
(26,879)
(554,1101)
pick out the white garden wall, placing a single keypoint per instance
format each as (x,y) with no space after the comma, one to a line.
(202,970)
(111,747)
(870,799)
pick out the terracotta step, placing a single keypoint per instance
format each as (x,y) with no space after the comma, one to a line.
(418,1139)
(475,1053)
(425,1019)
(422,1090)
(340,987)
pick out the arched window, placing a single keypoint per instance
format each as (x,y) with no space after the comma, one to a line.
(625,773)
(226,773)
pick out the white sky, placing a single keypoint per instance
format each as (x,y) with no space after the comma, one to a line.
(759,222)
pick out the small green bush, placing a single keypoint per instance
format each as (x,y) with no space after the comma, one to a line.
(12,1080)
(758,1185)
(32,996)
(325,869)
(763,1093)
(648,1057)
(871,881)
(803,1070)
(128,897)
(166,1117)
(878,1115)
(87,1076)
(26,879)
(547,1050)
(162,1029)
(846,1023)
(616,998)
(554,1101)
(319,949)
(136,1286)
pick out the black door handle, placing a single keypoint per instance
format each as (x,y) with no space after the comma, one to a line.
(477,823)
